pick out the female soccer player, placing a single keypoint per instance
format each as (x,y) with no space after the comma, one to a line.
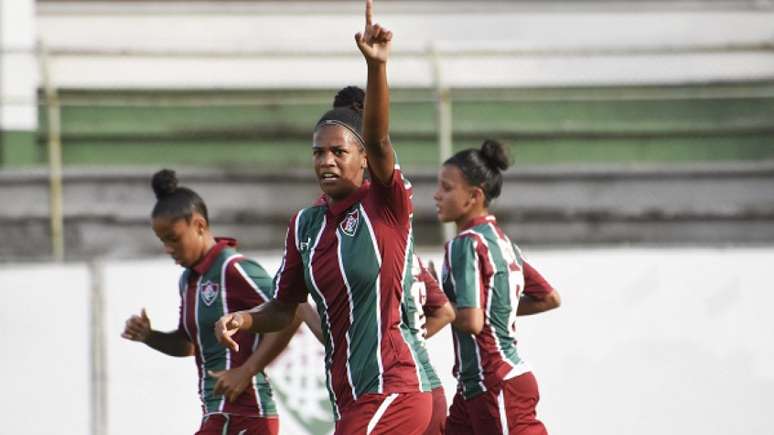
(353,254)
(235,393)
(489,282)
(430,311)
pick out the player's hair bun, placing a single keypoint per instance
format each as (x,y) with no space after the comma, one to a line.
(494,154)
(351,97)
(164,183)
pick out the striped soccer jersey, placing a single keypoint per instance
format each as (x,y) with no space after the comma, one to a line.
(354,257)
(426,297)
(484,269)
(223,282)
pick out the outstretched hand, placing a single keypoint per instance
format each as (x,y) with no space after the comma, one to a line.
(375,41)
(137,328)
(226,327)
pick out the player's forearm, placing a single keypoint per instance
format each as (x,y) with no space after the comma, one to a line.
(268,317)
(271,345)
(171,343)
(376,118)
(439,318)
(529,305)
(312,319)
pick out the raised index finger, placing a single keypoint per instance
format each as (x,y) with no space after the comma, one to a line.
(369,13)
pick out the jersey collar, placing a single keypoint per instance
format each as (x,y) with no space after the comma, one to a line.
(205,263)
(344,205)
(478,221)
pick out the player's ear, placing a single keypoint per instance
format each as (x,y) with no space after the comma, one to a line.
(199,223)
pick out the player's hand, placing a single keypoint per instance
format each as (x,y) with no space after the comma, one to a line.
(231,383)
(431,269)
(137,328)
(226,327)
(375,41)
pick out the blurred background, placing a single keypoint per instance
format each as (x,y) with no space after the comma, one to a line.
(643,187)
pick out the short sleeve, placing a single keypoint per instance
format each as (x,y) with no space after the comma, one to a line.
(465,272)
(534,284)
(435,298)
(247,285)
(395,197)
(289,285)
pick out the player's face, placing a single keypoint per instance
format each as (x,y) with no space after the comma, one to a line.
(339,161)
(454,197)
(182,238)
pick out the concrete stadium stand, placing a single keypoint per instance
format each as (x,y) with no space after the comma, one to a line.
(107,211)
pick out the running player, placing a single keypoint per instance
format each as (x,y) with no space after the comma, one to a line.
(235,393)
(428,313)
(489,283)
(353,254)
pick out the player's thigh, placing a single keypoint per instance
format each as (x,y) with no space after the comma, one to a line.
(253,426)
(437,424)
(212,425)
(402,413)
(458,421)
(519,398)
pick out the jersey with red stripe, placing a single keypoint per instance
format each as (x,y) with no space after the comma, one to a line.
(223,282)
(354,257)
(484,269)
(426,297)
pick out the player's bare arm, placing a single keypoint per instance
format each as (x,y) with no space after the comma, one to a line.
(375,42)
(438,318)
(173,343)
(231,383)
(529,304)
(268,317)
(469,320)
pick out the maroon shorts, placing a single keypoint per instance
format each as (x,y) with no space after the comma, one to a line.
(397,413)
(437,424)
(509,410)
(225,424)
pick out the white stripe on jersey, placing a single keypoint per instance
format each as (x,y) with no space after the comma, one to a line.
(199,340)
(378,285)
(327,320)
(249,281)
(223,296)
(351,316)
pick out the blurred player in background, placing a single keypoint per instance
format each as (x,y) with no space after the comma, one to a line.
(427,311)
(487,279)
(353,254)
(235,393)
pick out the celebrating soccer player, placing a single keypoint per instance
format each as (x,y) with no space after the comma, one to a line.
(235,394)
(488,281)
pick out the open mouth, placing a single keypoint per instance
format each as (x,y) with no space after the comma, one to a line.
(328,177)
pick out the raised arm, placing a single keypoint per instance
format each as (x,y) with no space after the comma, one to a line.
(375,42)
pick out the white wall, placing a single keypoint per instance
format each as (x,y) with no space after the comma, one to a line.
(668,341)
(319,27)
(18,67)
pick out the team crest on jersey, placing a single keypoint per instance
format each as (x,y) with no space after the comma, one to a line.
(349,224)
(209,291)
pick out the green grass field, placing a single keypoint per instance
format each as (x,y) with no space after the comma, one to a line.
(272,129)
